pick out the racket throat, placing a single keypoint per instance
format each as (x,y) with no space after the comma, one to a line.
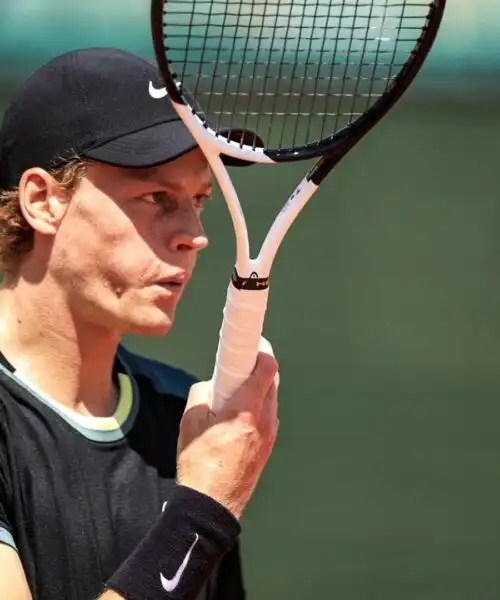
(321,169)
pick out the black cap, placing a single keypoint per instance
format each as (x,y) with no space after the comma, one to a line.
(97,103)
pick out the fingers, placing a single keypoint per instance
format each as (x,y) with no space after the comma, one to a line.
(223,454)
(251,396)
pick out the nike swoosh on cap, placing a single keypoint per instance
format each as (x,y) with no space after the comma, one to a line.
(157,93)
(169,585)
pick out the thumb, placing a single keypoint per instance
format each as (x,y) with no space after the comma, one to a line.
(251,394)
(266,348)
(266,364)
(261,378)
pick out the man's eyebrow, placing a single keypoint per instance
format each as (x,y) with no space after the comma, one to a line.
(140,174)
(150,176)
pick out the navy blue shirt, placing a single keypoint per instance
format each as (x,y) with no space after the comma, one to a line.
(78,493)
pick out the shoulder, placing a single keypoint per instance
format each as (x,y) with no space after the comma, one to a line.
(164,379)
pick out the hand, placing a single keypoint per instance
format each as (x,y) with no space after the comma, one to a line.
(223,455)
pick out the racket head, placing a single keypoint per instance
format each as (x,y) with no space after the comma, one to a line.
(310,78)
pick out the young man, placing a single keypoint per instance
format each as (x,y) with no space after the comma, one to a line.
(109,483)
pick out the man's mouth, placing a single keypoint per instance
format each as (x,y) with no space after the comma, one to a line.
(174,283)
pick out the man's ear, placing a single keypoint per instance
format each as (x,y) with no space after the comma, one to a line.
(42,201)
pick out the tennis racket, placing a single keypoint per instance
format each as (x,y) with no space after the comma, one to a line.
(271,81)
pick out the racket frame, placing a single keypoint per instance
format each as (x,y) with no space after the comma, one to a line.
(333,148)
(245,309)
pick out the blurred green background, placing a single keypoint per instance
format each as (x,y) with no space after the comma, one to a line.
(385,315)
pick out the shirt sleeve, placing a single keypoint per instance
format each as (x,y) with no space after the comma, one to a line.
(6,536)
(229,584)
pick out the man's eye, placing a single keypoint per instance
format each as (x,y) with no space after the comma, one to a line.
(162,199)
(168,203)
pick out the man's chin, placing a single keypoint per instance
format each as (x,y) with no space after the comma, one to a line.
(150,330)
(155,326)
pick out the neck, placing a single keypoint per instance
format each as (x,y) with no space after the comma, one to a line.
(69,361)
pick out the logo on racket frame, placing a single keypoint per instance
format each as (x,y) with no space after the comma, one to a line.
(254,282)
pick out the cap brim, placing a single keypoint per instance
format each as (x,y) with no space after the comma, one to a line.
(158,145)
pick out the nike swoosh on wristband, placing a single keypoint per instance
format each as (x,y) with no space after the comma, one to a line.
(169,585)
(157,93)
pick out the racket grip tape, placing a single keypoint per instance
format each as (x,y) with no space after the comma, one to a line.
(239,341)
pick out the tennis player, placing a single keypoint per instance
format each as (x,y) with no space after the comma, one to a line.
(116,479)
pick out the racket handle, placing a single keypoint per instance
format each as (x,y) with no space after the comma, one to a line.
(239,341)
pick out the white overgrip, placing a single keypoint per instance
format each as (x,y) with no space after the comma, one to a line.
(239,341)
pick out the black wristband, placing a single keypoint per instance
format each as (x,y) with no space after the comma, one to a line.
(180,552)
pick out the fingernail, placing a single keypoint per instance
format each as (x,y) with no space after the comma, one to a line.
(265,346)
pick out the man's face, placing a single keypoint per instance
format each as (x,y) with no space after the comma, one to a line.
(129,241)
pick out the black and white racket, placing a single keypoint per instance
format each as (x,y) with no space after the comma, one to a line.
(310,78)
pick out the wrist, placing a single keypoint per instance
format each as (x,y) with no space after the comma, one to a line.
(180,552)
(208,484)
(231,504)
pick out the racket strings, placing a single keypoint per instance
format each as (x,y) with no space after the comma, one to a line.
(294,71)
